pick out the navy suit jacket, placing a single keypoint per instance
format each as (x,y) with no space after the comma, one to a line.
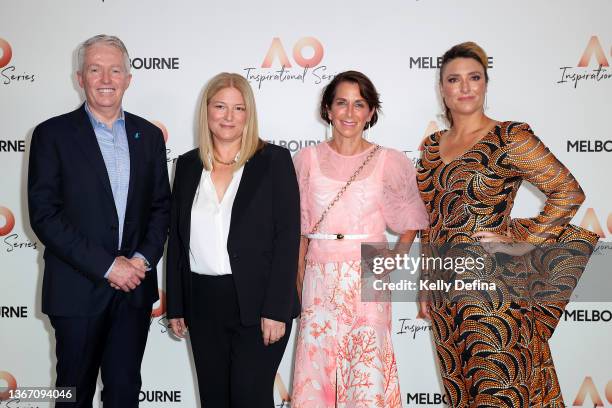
(263,241)
(73,213)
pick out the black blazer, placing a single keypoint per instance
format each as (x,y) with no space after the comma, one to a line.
(263,241)
(73,213)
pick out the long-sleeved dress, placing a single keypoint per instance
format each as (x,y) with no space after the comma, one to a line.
(496,354)
(344,354)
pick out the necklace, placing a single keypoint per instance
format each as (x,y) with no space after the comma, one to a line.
(230,163)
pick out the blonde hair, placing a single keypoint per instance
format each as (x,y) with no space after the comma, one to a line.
(251,142)
(467,49)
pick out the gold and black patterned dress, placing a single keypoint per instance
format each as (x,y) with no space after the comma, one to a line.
(495,353)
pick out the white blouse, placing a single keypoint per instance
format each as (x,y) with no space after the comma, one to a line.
(210,223)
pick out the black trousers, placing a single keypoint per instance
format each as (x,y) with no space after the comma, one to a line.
(235,369)
(114,342)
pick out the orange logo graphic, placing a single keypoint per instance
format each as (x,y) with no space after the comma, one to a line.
(161,309)
(277,51)
(9,221)
(162,128)
(279,385)
(591,222)
(588,388)
(11,385)
(7,52)
(421,314)
(594,47)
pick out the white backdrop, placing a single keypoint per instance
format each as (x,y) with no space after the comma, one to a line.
(396,43)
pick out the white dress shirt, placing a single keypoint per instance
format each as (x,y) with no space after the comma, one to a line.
(210,223)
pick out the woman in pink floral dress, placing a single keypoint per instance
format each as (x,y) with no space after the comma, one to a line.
(344,353)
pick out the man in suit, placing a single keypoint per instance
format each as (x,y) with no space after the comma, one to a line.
(98,196)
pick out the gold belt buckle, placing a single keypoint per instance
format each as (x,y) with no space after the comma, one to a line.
(339,236)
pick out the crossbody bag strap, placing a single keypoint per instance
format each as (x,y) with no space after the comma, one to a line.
(343,189)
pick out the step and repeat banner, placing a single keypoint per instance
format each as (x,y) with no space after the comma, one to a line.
(550,67)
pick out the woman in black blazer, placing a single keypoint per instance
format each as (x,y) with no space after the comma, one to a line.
(233,250)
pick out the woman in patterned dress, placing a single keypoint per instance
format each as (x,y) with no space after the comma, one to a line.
(494,354)
(344,354)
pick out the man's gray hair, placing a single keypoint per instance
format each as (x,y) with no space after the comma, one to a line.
(110,40)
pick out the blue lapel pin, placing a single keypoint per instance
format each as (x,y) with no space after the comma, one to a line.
(137,135)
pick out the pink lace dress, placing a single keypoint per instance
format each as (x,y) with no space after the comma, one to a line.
(344,354)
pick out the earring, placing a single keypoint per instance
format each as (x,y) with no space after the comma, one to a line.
(366,132)
(330,131)
(444,116)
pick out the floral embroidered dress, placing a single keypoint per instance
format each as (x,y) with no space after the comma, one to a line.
(344,354)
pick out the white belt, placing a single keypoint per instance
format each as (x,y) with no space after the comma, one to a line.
(336,236)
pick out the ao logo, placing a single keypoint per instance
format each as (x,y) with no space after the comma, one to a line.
(9,221)
(11,385)
(591,222)
(277,51)
(7,52)
(588,388)
(594,48)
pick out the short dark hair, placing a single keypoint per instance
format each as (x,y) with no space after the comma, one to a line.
(467,49)
(366,89)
